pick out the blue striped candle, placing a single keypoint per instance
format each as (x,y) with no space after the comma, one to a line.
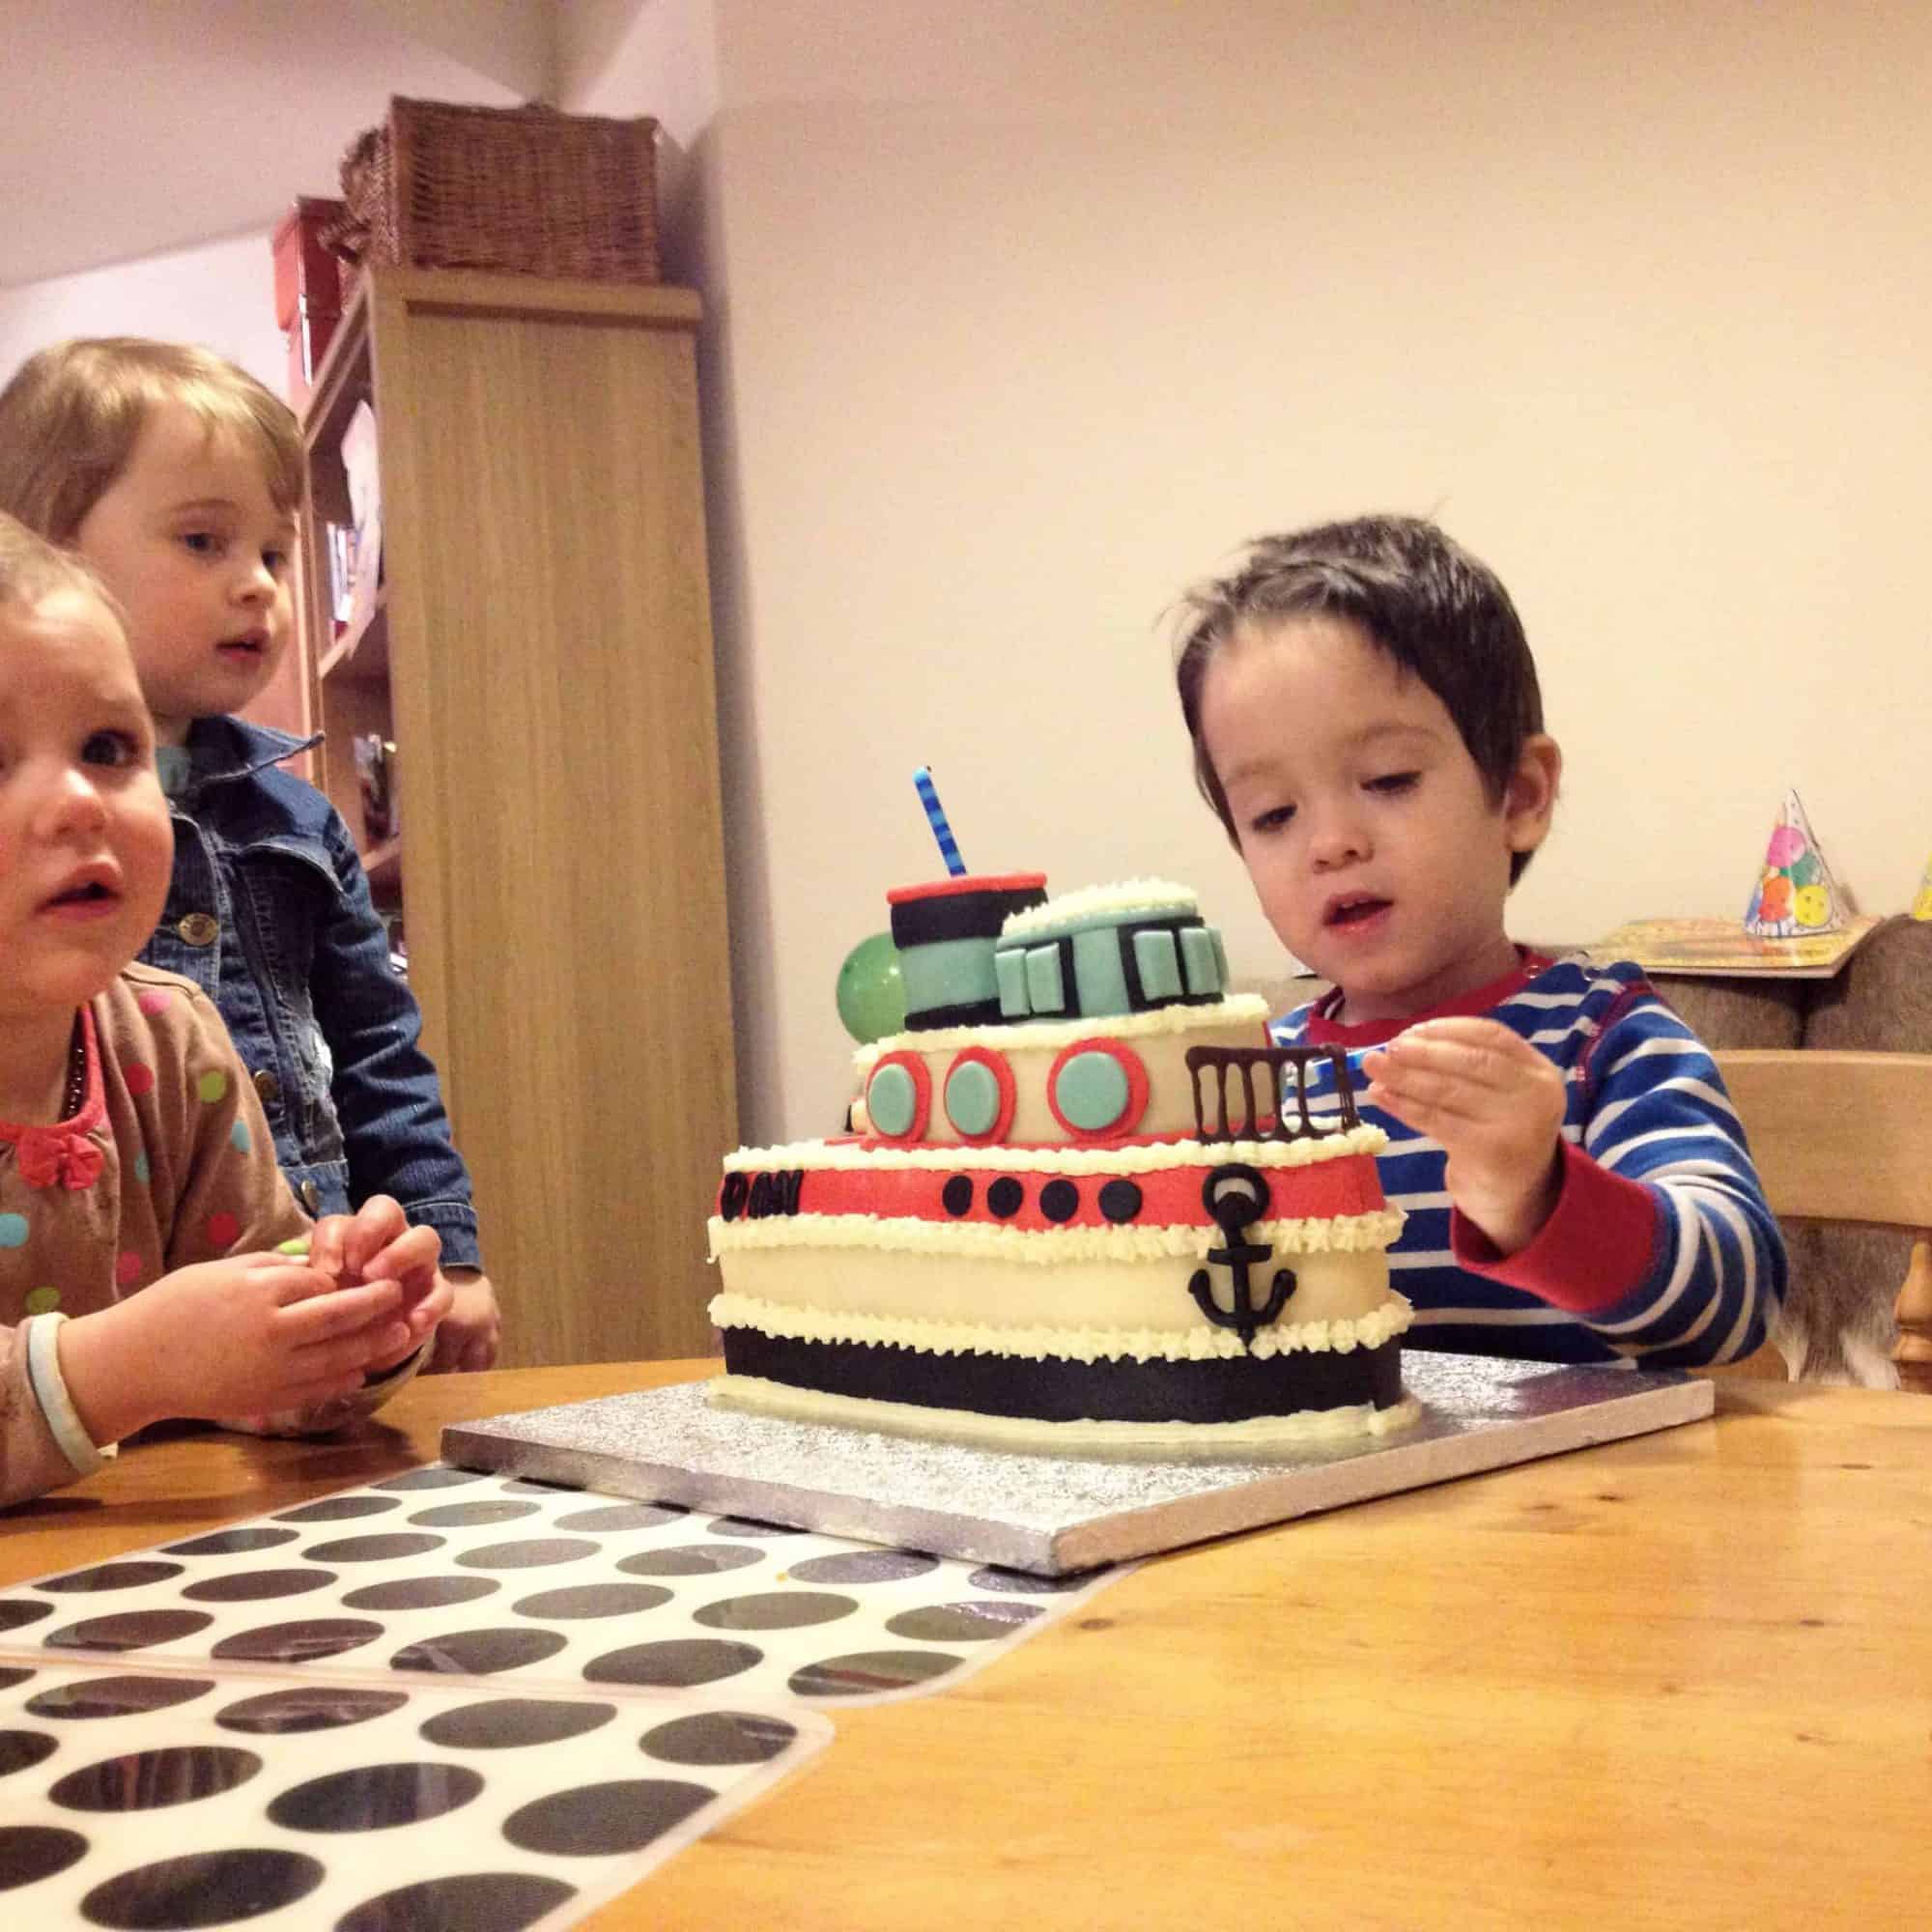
(935,814)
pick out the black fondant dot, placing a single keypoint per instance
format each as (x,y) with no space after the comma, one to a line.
(203,1888)
(1005,1195)
(419,1593)
(622,1515)
(130,1629)
(775,1609)
(339,1509)
(1060,1201)
(319,1707)
(432,1476)
(720,1737)
(149,1780)
(868,1673)
(255,1586)
(116,1697)
(478,1653)
(508,1722)
(691,1559)
(375,1548)
(750,1526)
(20,1750)
(30,1852)
(374,1797)
(677,1660)
(1120,1200)
(469,1516)
(957,1196)
(10,1675)
(231,1542)
(304,1642)
(534,1555)
(593,1600)
(993,1577)
(470,1902)
(864,1566)
(962,1623)
(733,1195)
(603,1820)
(17,1612)
(113,1577)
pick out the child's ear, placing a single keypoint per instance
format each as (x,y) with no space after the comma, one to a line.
(1531,796)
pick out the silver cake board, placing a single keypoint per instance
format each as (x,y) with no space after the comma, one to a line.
(1054,1515)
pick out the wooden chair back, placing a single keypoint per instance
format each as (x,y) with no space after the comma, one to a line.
(1847,1137)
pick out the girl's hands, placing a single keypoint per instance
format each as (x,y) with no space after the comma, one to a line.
(377,1243)
(1495,1104)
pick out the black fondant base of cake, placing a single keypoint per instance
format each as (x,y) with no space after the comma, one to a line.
(1237,1389)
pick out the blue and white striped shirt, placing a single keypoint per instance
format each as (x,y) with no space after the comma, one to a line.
(1660,1247)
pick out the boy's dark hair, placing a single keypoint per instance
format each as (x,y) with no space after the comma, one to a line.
(1439,612)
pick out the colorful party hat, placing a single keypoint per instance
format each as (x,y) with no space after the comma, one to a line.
(1922,902)
(1796,894)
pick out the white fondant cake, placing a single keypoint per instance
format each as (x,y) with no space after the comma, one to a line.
(1073,1212)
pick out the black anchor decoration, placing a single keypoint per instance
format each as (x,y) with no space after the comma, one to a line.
(1235,1195)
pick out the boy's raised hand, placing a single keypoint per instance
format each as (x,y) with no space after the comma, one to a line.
(1493,1105)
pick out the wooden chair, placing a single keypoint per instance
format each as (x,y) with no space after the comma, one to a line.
(1847,1137)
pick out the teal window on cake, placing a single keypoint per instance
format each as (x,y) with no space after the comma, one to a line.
(1046,979)
(1200,958)
(898,1096)
(1009,970)
(1158,965)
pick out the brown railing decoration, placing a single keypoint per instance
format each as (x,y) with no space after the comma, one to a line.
(1268,1122)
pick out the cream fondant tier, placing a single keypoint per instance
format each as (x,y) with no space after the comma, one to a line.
(1089,1225)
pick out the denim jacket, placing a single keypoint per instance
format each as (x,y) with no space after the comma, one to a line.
(269,912)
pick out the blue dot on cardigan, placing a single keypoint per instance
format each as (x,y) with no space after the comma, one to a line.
(13,1231)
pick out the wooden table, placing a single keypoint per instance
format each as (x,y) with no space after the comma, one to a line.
(1679,1681)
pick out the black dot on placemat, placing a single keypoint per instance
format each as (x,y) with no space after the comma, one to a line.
(339,1509)
(149,1780)
(868,1674)
(130,1629)
(622,1515)
(472,1902)
(603,1820)
(750,1526)
(720,1737)
(593,1600)
(419,1593)
(677,1660)
(17,1612)
(775,1610)
(1060,1201)
(375,1548)
(435,1476)
(113,1577)
(239,1542)
(990,1576)
(21,1750)
(864,1566)
(470,1515)
(1120,1200)
(691,1559)
(304,1642)
(116,1697)
(12,1674)
(256,1586)
(320,1707)
(507,1722)
(30,1852)
(962,1623)
(202,1888)
(1005,1195)
(479,1653)
(957,1196)
(373,1796)
(534,1555)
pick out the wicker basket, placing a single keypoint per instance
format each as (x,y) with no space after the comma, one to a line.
(522,190)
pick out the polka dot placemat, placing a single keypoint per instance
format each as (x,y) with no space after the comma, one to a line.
(137,1797)
(447,1571)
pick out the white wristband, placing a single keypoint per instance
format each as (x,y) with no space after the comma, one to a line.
(49,1386)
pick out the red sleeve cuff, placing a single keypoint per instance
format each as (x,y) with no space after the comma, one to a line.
(1599,1244)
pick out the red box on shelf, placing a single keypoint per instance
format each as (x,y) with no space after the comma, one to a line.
(308,286)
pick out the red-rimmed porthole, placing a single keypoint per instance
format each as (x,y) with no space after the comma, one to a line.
(1098,1089)
(979,1096)
(898,1096)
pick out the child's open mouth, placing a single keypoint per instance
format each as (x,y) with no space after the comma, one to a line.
(90,895)
(1354,912)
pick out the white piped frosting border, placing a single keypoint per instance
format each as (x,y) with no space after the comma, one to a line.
(1050,1035)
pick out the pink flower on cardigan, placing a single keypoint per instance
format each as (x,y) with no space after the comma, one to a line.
(57,1156)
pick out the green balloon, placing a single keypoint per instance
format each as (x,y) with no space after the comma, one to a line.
(871,991)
